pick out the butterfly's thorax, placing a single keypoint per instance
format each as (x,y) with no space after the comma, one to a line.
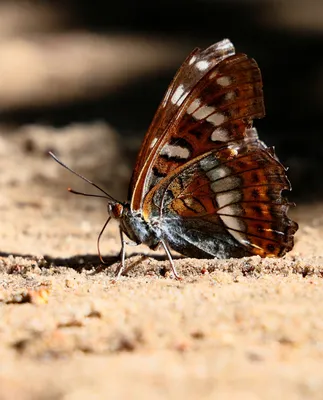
(136,228)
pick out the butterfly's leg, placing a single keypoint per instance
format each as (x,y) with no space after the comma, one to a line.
(123,255)
(169,255)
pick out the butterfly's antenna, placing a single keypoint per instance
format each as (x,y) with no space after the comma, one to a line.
(87,194)
(98,241)
(107,196)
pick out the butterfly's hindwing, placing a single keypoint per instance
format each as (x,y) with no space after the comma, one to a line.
(238,194)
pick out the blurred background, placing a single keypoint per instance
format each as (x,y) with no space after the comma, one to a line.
(84,79)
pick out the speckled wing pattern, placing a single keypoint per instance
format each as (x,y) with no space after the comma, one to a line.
(212,185)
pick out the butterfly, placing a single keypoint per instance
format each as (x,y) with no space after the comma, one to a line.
(204,184)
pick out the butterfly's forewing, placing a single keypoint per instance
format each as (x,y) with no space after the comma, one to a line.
(197,64)
(218,110)
(226,203)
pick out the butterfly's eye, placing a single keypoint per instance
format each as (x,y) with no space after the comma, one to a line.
(115,210)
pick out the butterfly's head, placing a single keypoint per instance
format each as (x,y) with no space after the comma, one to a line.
(115,210)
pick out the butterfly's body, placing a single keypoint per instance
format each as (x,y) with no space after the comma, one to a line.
(182,235)
(204,184)
(136,228)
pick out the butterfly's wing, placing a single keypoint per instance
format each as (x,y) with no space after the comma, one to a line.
(212,185)
(217,111)
(196,65)
(226,203)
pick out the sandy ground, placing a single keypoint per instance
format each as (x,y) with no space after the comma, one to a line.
(232,329)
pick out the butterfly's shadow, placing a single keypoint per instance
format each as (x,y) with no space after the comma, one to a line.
(93,263)
(89,262)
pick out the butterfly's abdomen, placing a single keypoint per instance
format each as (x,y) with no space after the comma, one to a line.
(198,238)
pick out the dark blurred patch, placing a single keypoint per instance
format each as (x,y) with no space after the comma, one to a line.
(193,18)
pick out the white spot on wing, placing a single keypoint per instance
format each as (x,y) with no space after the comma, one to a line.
(208,163)
(216,118)
(224,81)
(220,134)
(195,104)
(228,183)
(202,65)
(203,112)
(224,199)
(235,226)
(192,60)
(231,209)
(240,237)
(178,94)
(233,222)
(218,173)
(170,150)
